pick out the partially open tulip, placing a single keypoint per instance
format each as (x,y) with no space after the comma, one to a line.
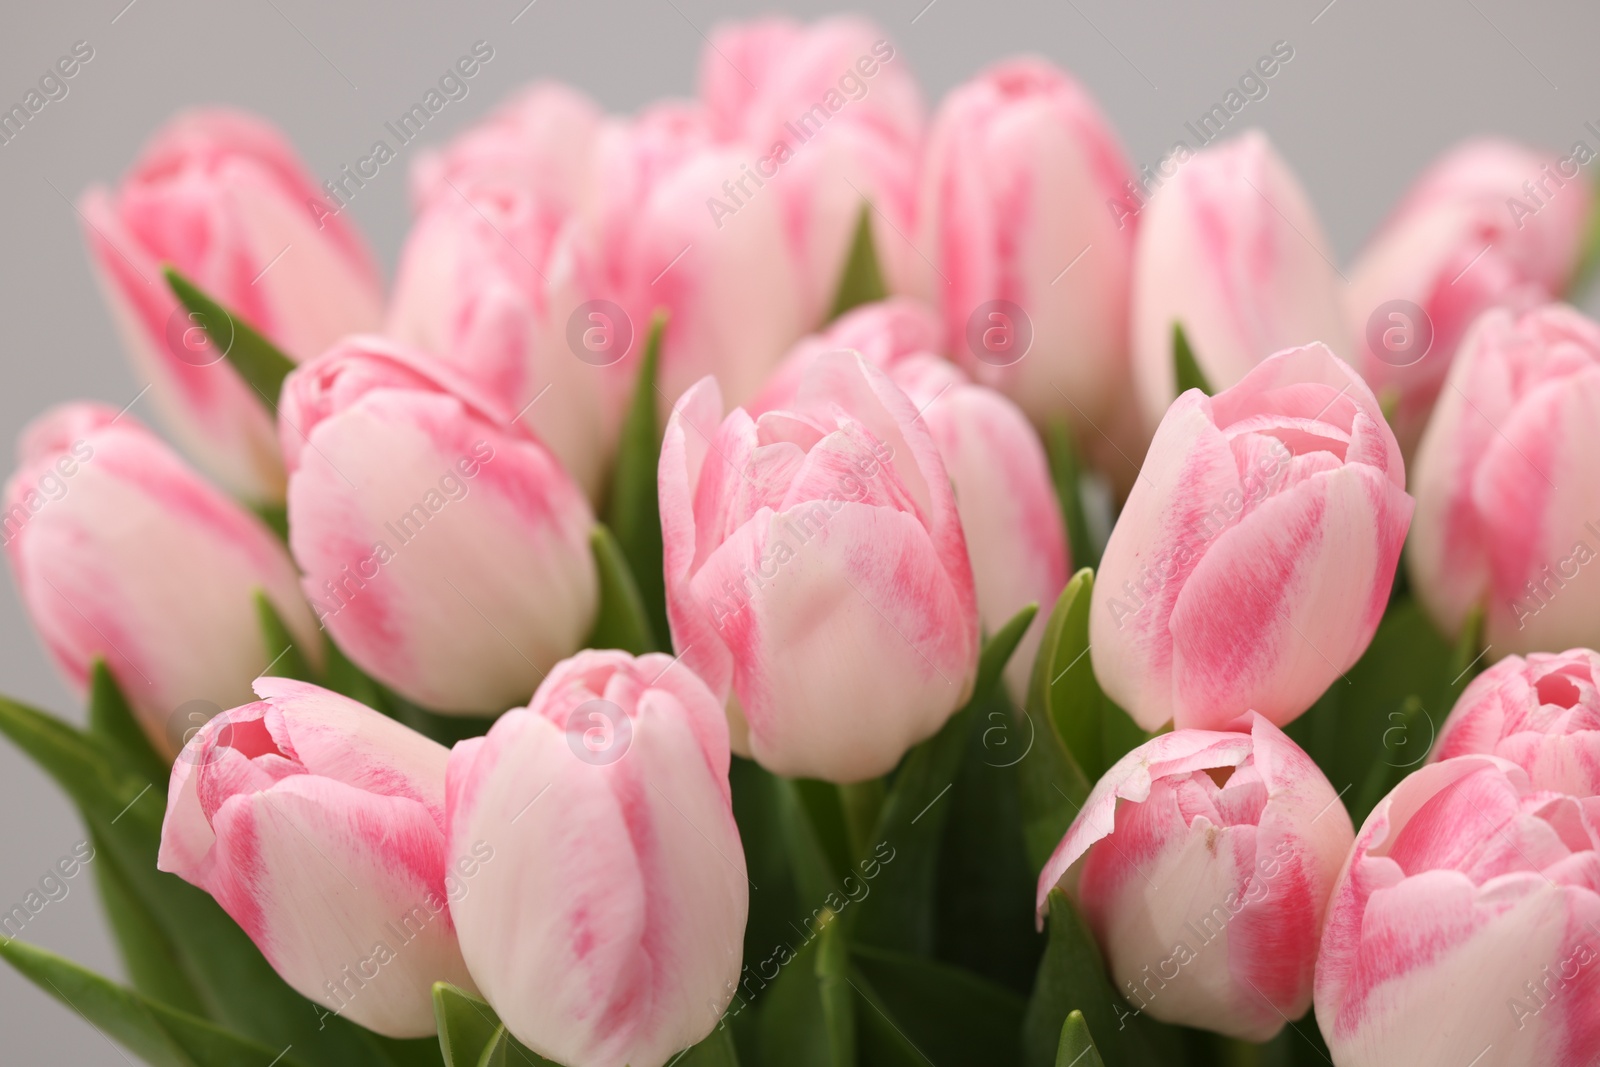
(1230,247)
(1463,929)
(1203,862)
(221,196)
(121,550)
(1541,713)
(1507,519)
(1490,224)
(996,463)
(1030,264)
(1255,555)
(609,928)
(443,547)
(319,825)
(836,120)
(816,569)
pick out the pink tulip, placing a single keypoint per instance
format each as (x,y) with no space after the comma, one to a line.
(1208,884)
(836,119)
(609,928)
(540,141)
(443,547)
(1255,555)
(481,286)
(816,568)
(1463,926)
(648,241)
(221,196)
(1490,224)
(997,466)
(1541,713)
(1506,517)
(1230,247)
(120,550)
(319,825)
(1022,177)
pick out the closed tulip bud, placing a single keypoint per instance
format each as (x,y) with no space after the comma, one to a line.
(1230,247)
(835,119)
(1506,514)
(121,551)
(481,286)
(1203,862)
(652,237)
(1465,926)
(1255,555)
(996,464)
(816,569)
(1490,224)
(1023,176)
(319,825)
(609,928)
(221,196)
(1541,713)
(443,548)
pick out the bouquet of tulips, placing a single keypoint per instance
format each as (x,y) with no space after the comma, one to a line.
(790,578)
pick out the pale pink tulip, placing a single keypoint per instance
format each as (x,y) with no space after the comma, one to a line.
(1030,264)
(1490,224)
(221,196)
(120,550)
(1463,926)
(1255,555)
(609,929)
(1541,713)
(1230,247)
(1203,862)
(816,570)
(319,825)
(444,549)
(1504,477)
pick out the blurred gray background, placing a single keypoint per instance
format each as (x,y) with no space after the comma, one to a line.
(1374,91)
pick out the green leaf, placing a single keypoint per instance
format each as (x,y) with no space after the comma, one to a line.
(622,621)
(258,360)
(953,1015)
(445,729)
(151,961)
(1077,1047)
(813,863)
(804,1021)
(882,1042)
(276,516)
(284,657)
(833,986)
(861,282)
(1051,783)
(1589,257)
(899,913)
(343,676)
(717,1050)
(1065,472)
(471,1034)
(155,1033)
(1185,366)
(633,513)
(759,800)
(111,717)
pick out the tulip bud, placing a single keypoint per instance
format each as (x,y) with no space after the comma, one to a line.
(481,286)
(319,825)
(443,547)
(609,929)
(221,196)
(1255,555)
(1024,176)
(835,118)
(654,237)
(1506,515)
(1490,224)
(1230,247)
(120,550)
(1207,886)
(1541,713)
(1463,928)
(815,567)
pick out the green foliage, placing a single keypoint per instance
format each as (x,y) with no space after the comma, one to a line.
(861,281)
(633,508)
(1186,369)
(258,361)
